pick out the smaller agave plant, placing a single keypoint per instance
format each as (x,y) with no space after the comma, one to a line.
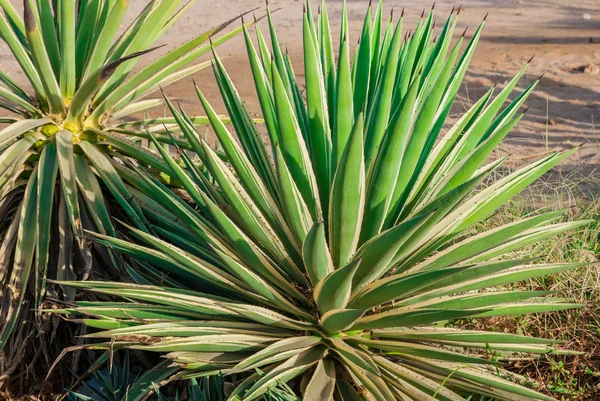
(64,151)
(120,382)
(336,257)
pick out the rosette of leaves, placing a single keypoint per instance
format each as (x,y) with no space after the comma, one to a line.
(332,257)
(64,145)
(123,380)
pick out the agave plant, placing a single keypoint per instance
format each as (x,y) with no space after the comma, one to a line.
(62,153)
(120,382)
(336,257)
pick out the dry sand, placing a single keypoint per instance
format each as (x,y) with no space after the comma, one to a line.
(563,35)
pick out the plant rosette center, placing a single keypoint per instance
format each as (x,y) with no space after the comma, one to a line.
(79,133)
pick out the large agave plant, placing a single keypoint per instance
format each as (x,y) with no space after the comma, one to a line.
(337,256)
(62,151)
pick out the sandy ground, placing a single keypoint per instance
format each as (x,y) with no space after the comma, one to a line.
(564,36)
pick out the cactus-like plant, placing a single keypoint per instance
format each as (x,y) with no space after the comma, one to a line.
(337,255)
(65,146)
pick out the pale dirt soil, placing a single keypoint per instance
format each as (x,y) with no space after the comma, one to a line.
(563,35)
